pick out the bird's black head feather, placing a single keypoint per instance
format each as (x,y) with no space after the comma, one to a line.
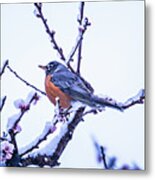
(52,67)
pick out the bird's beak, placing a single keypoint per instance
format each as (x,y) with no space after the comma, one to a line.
(42,67)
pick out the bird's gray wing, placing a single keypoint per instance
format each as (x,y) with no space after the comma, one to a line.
(72,85)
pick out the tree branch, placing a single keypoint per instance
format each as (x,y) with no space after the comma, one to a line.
(35,144)
(110,102)
(3,68)
(138,99)
(24,81)
(2,103)
(51,33)
(103,157)
(43,160)
(80,46)
(12,124)
(83,24)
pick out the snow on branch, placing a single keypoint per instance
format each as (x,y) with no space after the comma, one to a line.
(48,129)
(138,99)
(24,81)
(51,33)
(11,158)
(24,106)
(50,154)
(110,102)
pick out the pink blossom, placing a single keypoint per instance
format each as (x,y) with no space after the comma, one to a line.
(17,129)
(21,104)
(6,150)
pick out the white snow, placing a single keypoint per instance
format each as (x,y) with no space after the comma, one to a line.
(141,93)
(62,128)
(12,120)
(29,97)
(49,149)
(19,103)
(135,98)
(48,127)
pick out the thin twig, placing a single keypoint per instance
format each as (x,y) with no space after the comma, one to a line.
(25,110)
(94,111)
(83,24)
(2,103)
(80,46)
(12,124)
(24,81)
(78,43)
(103,157)
(4,66)
(51,33)
(11,130)
(13,140)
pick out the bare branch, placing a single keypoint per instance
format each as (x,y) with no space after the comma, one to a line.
(51,33)
(83,24)
(80,46)
(93,111)
(103,157)
(24,81)
(2,103)
(3,68)
(81,14)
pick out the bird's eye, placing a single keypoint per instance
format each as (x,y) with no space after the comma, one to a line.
(50,66)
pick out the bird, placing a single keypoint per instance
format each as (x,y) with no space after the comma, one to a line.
(69,87)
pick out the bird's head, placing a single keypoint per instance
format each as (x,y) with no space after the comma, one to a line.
(51,67)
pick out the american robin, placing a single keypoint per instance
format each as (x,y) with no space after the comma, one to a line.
(68,86)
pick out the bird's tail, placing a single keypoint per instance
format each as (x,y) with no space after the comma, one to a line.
(99,102)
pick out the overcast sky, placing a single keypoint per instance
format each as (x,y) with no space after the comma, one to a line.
(112,61)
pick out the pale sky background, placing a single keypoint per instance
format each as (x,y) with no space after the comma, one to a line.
(113,62)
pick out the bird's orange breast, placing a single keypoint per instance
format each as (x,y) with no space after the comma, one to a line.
(53,91)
